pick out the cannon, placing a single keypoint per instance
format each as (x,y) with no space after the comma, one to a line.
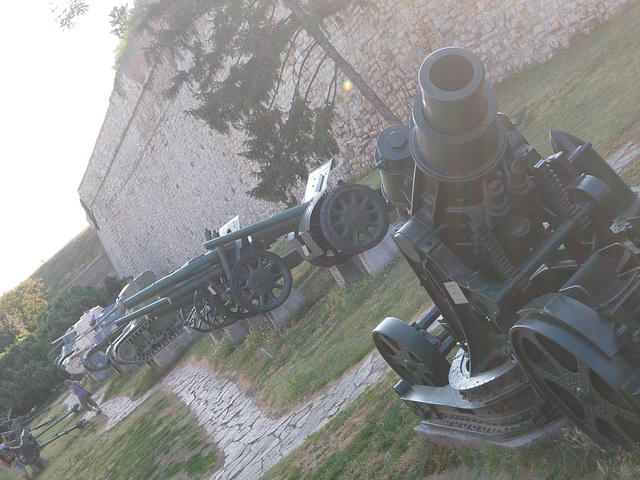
(239,277)
(531,264)
(26,444)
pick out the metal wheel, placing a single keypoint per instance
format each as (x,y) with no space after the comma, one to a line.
(354,218)
(193,321)
(225,302)
(29,453)
(411,354)
(126,352)
(583,376)
(209,315)
(97,358)
(261,281)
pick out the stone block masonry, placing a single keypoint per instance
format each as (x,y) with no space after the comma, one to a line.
(158,177)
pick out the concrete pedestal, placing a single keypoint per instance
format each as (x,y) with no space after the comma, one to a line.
(282,315)
(125,369)
(99,376)
(378,257)
(237,331)
(371,262)
(171,352)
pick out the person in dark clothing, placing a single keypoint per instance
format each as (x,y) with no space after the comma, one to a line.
(84,397)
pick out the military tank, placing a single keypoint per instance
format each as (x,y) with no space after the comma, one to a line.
(96,359)
(532,265)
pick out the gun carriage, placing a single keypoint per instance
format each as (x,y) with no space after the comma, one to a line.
(238,277)
(531,263)
(27,444)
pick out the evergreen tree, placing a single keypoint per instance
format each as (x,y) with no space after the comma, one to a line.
(236,75)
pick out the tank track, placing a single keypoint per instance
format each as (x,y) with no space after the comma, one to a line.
(140,345)
(102,344)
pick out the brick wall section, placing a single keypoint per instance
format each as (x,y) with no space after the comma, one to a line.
(157,177)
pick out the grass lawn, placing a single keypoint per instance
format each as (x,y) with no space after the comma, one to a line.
(589,90)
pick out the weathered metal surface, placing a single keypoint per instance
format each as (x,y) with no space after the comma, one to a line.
(238,277)
(532,265)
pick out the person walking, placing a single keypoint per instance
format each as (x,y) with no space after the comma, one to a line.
(84,397)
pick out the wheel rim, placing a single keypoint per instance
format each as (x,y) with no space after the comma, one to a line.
(206,315)
(581,381)
(261,281)
(225,303)
(30,454)
(414,358)
(354,218)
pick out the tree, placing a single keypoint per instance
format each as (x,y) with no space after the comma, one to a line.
(10,329)
(25,302)
(236,75)
(119,20)
(69,13)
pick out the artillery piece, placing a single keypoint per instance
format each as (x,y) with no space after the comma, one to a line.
(26,444)
(239,277)
(531,263)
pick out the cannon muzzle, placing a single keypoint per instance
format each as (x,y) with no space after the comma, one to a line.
(455,118)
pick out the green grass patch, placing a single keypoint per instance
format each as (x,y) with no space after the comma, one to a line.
(373,438)
(134,384)
(330,335)
(588,90)
(158,440)
(60,270)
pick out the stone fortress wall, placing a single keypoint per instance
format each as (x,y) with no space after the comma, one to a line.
(157,177)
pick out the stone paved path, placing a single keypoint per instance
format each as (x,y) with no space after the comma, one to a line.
(251,441)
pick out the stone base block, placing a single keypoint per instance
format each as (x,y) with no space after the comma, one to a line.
(124,369)
(258,322)
(165,357)
(282,315)
(217,335)
(237,331)
(378,257)
(348,272)
(99,376)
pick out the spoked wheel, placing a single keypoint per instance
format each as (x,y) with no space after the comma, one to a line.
(29,453)
(261,281)
(225,303)
(583,376)
(411,354)
(354,218)
(209,315)
(193,321)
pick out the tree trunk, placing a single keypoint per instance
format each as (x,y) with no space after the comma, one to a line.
(356,79)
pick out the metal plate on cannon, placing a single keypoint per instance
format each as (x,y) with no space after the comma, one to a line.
(317,181)
(231,226)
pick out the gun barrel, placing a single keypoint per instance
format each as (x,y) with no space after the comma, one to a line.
(173,297)
(455,117)
(185,272)
(271,227)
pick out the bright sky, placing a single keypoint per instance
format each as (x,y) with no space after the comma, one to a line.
(55,87)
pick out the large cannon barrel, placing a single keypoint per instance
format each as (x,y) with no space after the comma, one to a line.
(187,271)
(174,295)
(269,228)
(456,134)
